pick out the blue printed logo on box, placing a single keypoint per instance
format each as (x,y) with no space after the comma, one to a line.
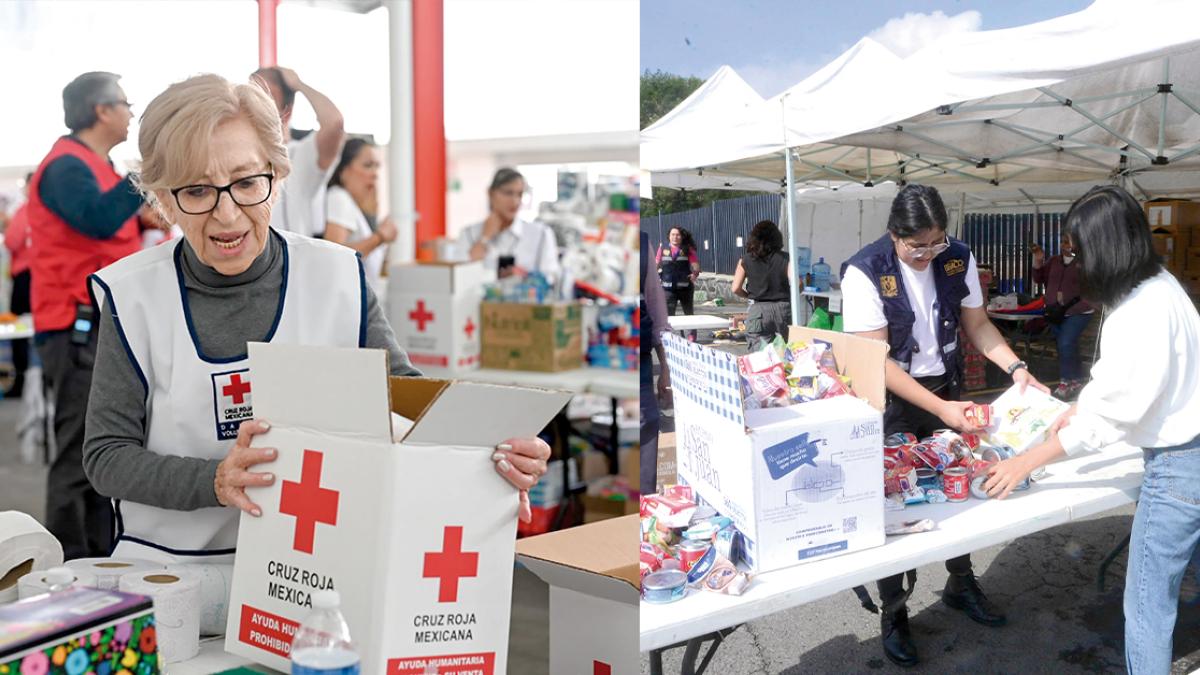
(784,458)
(824,549)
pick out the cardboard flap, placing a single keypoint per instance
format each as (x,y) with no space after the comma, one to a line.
(863,359)
(484,415)
(589,558)
(438,277)
(336,390)
(411,396)
(707,377)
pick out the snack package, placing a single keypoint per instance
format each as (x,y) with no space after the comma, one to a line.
(1021,421)
(671,510)
(763,378)
(979,414)
(724,577)
(909,527)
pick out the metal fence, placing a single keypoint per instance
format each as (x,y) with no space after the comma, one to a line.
(1002,240)
(720,229)
(999,240)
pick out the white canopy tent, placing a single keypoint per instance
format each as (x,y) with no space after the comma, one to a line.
(1037,112)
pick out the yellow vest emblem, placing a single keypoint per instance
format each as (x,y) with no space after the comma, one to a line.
(888,287)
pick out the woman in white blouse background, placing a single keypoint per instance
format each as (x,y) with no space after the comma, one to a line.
(353,194)
(531,244)
(1145,390)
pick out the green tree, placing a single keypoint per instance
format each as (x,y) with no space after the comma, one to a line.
(660,93)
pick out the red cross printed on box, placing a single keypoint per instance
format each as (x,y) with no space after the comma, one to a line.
(469,329)
(450,564)
(236,389)
(421,315)
(309,502)
(601,668)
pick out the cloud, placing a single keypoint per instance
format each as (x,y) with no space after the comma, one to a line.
(909,33)
(773,78)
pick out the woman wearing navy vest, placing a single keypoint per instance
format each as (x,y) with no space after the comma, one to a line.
(1145,391)
(678,268)
(168,431)
(914,288)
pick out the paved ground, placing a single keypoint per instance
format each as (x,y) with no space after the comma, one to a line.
(22,487)
(1059,622)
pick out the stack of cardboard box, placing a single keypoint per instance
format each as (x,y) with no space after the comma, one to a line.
(1175,228)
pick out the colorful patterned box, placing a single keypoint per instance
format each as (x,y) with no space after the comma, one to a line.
(81,630)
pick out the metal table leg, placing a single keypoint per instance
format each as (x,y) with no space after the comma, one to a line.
(1108,560)
(691,652)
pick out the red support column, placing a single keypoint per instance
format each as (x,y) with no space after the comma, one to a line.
(266,33)
(429,131)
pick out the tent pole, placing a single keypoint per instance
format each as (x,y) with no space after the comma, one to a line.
(1162,119)
(792,239)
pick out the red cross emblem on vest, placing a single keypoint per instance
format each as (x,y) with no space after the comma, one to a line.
(236,389)
(309,502)
(450,564)
(421,315)
(469,329)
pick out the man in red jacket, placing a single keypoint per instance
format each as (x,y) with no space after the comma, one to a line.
(82,216)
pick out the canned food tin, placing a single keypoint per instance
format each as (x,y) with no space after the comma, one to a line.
(977,489)
(691,551)
(956,484)
(663,587)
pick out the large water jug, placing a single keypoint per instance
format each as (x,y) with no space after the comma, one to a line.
(822,275)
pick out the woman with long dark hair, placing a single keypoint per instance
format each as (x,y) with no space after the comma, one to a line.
(1145,391)
(762,276)
(678,268)
(351,205)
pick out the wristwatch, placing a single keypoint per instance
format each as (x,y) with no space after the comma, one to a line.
(1017,365)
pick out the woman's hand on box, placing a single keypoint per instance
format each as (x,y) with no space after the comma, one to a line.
(233,475)
(522,461)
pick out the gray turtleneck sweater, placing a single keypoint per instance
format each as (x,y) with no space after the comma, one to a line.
(228,312)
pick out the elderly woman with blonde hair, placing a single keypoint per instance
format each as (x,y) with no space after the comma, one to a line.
(167,431)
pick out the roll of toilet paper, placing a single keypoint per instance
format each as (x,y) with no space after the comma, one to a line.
(176,597)
(25,546)
(36,583)
(215,583)
(108,571)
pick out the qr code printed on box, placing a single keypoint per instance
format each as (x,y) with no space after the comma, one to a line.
(850,524)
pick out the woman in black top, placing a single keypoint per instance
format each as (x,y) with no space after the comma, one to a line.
(762,276)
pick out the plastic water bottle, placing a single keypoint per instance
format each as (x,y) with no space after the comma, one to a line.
(322,645)
(821,273)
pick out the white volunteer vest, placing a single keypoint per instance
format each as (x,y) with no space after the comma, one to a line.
(194,403)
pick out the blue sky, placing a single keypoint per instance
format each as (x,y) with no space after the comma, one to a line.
(776,43)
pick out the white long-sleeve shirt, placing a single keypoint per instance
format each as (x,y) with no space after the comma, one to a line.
(1145,389)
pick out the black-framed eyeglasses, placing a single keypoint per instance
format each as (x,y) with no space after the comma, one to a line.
(197,200)
(123,102)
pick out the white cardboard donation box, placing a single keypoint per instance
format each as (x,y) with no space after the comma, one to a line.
(434,309)
(593,575)
(800,483)
(417,536)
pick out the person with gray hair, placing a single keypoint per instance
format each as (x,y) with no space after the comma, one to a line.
(171,428)
(83,215)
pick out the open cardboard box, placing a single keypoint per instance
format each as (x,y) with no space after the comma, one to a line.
(417,536)
(801,483)
(593,575)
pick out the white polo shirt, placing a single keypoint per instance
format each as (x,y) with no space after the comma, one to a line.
(301,205)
